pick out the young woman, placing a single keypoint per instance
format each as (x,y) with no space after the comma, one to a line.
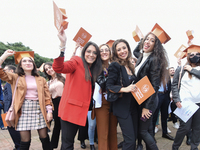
(56,84)
(152,62)
(184,88)
(32,102)
(106,121)
(120,80)
(81,73)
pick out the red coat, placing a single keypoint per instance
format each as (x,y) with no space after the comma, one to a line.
(77,91)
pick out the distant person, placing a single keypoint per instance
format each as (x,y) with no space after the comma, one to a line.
(56,85)
(1,107)
(15,135)
(185,87)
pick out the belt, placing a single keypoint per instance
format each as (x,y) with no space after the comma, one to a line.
(162,92)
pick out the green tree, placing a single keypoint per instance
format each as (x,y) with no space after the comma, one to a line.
(18,46)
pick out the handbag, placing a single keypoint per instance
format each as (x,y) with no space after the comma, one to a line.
(10,116)
(111,97)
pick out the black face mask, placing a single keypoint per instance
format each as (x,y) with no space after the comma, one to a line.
(195,59)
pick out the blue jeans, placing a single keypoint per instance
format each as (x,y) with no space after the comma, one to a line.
(91,128)
(1,122)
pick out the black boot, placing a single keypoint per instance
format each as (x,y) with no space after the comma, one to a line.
(45,143)
(24,145)
(92,147)
(188,142)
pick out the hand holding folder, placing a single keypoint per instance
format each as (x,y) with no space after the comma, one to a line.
(144,90)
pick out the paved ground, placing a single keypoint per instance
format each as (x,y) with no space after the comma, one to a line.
(163,144)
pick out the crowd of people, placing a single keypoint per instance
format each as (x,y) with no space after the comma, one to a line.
(66,95)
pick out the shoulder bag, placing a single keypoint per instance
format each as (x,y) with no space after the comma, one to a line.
(10,116)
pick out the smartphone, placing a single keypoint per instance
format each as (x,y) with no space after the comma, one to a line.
(145,118)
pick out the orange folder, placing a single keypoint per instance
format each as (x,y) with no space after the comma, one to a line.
(179,53)
(3,116)
(137,34)
(82,37)
(189,34)
(59,17)
(144,90)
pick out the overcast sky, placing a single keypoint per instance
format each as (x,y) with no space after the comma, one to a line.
(32,22)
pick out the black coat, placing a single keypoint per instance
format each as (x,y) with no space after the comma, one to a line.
(123,105)
(151,69)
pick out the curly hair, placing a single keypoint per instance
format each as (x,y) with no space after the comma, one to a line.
(160,58)
(115,57)
(58,75)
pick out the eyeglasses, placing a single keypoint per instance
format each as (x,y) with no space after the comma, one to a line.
(104,50)
(192,55)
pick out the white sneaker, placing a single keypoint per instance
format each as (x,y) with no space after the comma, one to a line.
(176,125)
(169,131)
(156,129)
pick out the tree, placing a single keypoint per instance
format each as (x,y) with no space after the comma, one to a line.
(18,46)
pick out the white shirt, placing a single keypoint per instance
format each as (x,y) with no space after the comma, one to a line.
(190,88)
(145,56)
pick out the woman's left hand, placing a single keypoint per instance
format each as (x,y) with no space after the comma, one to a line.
(49,117)
(188,68)
(146,113)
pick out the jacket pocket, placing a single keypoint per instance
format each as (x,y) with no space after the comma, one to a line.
(75,102)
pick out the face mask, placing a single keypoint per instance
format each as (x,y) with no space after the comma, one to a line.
(194,59)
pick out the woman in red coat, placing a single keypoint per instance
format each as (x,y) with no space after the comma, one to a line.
(81,73)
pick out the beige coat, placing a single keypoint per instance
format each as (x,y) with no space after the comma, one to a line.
(42,88)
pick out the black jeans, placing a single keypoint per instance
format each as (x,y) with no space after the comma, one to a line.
(15,135)
(163,104)
(194,124)
(57,125)
(146,133)
(129,128)
(69,131)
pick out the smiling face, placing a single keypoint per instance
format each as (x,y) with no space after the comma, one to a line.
(149,43)
(49,70)
(90,55)
(122,50)
(27,64)
(105,53)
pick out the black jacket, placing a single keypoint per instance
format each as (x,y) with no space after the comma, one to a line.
(123,105)
(151,69)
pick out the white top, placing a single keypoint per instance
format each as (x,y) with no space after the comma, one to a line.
(56,88)
(145,56)
(189,90)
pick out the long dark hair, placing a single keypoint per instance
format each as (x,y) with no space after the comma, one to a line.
(58,75)
(96,66)
(20,71)
(160,58)
(115,57)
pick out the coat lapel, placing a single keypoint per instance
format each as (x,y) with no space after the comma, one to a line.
(39,87)
(124,76)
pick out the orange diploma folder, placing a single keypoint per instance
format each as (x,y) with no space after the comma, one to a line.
(179,53)
(59,17)
(82,37)
(3,116)
(144,90)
